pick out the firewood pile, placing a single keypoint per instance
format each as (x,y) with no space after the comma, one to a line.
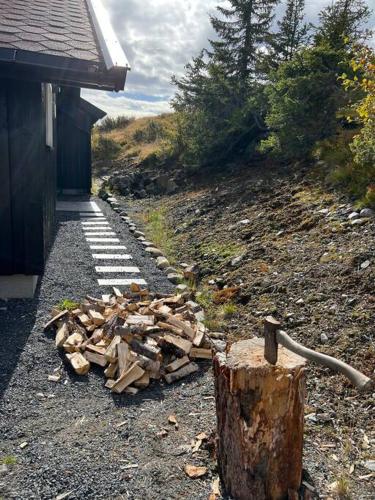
(134,337)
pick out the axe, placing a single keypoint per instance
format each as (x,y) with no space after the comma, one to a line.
(273,336)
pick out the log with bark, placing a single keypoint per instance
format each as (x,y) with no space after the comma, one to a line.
(260,415)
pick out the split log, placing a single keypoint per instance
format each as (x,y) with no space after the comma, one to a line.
(73,342)
(97,359)
(111,352)
(96,317)
(62,335)
(134,373)
(185,327)
(123,355)
(181,373)
(198,352)
(260,415)
(179,343)
(177,364)
(146,350)
(55,318)
(111,370)
(79,364)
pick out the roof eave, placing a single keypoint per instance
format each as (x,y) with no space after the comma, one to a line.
(61,70)
(114,56)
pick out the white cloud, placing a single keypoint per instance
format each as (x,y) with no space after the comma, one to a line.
(116,105)
(159,37)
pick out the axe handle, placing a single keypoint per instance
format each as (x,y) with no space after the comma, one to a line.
(357,378)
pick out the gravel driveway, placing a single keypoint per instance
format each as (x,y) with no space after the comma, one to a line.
(74,437)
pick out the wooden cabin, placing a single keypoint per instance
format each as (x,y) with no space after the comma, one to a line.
(49,50)
(75,119)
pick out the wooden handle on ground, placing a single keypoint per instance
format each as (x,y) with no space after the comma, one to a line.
(357,378)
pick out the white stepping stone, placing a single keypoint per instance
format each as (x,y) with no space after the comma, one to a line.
(95,223)
(121,282)
(100,233)
(91,214)
(116,269)
(103,240)
(99,220)
(112,256)
(107,247)
(78,206)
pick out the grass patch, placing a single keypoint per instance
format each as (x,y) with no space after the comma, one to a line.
(224,250)
(8,460)
(159,232)
(229,310)
(95,187)
(68,304)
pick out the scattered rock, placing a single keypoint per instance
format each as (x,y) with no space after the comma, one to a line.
(220,345)
(300,301)
(323,338)
(3,470)
(359,222)
(175,278)
(370,464)
(181,288)
(200,316)
(353,216)
(244,222)
(323,211)
(154,252)
(193,306)
(237,260)
(162,262)
(367,212)
(365,264)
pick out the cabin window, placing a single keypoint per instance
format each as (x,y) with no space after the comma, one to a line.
(50,113)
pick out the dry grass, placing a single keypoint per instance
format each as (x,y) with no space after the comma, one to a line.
(130,137)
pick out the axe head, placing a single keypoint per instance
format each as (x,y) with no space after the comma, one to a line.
(271,325)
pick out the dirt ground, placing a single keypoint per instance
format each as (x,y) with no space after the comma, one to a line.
(284,243)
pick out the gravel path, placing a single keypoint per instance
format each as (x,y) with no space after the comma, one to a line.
(81,439)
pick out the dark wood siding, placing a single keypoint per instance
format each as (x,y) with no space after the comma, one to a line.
(27,179)
(74,155)
(75,119)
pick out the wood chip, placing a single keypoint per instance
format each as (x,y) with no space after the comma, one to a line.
(194,472)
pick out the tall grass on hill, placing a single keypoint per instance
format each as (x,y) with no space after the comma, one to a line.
(111,123)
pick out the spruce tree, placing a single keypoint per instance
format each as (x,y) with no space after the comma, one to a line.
(293,31)
(342,22)
(243,31)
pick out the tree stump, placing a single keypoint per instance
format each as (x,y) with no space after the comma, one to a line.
(260,416)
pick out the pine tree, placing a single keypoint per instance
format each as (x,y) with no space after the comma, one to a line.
(341,21)
(242,33)
(293,31)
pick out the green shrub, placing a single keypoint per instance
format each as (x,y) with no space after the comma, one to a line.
(104,148)
(151,133)
(304,96)
(109,123)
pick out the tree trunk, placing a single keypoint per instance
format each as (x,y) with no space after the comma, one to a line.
(260,414)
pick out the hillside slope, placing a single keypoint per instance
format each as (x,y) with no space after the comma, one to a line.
(279,243)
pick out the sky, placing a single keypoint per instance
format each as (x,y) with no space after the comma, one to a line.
(159,37)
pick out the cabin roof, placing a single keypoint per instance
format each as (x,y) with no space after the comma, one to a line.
(73,36)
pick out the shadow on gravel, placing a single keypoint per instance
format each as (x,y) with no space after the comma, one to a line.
(158,391)
(16,325)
